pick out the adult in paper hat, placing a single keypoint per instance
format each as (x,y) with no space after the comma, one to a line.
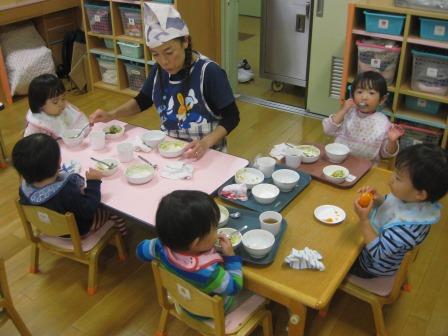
(191,93)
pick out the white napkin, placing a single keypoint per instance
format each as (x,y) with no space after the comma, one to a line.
(279,151)
(139,146)
(235,191)
(177,170)
(71,166)
(306,258)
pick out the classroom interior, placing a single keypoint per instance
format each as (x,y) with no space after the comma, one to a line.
(54,301)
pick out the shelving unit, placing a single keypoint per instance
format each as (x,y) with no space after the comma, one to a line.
(408,40)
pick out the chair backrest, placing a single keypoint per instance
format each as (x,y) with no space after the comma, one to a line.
(402,272)
(188,297)
(37,220)
(4,289)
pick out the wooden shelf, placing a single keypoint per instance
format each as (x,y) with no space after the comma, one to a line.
(429,43)
(407,90)
(107,86)
(127,58)
(127,38)
(99,35)
(438,120)
(102,51)
(377,35)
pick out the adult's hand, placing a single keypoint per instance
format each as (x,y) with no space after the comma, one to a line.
(196,149)
(99,115)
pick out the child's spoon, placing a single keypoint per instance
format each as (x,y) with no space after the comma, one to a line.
(80,132)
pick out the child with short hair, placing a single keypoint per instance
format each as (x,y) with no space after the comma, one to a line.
(394,224)
(37,158)
(49,111)
(186,223)
(358,125)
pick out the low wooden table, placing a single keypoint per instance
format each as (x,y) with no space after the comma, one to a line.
(338,244)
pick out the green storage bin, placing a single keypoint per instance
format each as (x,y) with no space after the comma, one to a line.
(130,49)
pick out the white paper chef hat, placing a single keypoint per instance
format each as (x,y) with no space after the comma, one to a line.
(162,24)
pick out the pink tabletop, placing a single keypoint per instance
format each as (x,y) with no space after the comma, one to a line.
(141,201)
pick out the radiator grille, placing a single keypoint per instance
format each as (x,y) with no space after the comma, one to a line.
(337,65)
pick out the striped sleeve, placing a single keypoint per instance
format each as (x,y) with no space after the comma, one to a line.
(146,250)
(226,279)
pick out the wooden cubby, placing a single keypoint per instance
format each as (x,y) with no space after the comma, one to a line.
(408,40)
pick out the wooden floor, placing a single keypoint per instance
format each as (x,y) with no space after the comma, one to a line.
(54,302)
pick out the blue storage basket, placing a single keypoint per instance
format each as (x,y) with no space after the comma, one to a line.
(384,23)
(434,29)
(422,105)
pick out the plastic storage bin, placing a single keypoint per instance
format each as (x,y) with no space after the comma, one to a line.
(430,72)
(384,23)
(378,55)
(99,18)
(109,43)
(422,105)
(414,135)
(131,18)
(108,69)
(130,49)
(434,5)
(136,75)
(434,29)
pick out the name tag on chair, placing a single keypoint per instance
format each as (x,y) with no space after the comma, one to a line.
(185,293)
(43,217)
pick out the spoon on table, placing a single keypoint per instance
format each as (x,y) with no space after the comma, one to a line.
(80,132)
(237,231)
(235,215)
(108,165)
(144,160)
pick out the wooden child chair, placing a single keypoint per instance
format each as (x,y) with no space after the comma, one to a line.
(8,311)
(242,321)
(44,227)
(380,291)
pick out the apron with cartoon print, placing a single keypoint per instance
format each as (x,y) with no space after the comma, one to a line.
(185,117)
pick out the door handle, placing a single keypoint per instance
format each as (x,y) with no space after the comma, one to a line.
(307,9)
(320,8)
(300,23)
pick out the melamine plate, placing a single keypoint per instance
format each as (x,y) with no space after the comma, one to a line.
(329,214)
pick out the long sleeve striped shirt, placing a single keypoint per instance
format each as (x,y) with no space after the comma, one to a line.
(224,279)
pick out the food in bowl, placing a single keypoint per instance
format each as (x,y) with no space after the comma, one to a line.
(234,236)
(153,138)
(258,243)
(265,193)
(335,173)
(139,173)
(70,138)
(336,152)
(224,216)
(310,153)
(249,176)
(285,179)
(107,170)
(113,131)
(172,148)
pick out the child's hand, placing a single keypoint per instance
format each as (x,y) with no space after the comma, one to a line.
(226,245)
(377,198)
(93,174)
(395,132)
(99,115)
(363,213)
(348,104)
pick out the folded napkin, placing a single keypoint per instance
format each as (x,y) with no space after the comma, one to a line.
(235,191)
(177,170)
(306,258)
(71,167)
(140,146)
(279,151)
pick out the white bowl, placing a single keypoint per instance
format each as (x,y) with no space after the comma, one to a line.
(332,173)
(249,176)
(153,138)
(336,152)
(224,216)
(172,148)
(258,242)
(106,171)
(285,179)
(236,238)
(113,131)
(310,153)
(265,193)
(68,139)
(139,173)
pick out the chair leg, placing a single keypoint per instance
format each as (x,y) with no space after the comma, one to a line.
(267,324)
(119,244)
(16,319)
(161,330)
(93,273)
(379,319)
(34,267)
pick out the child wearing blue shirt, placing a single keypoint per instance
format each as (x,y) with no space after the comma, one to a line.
(394,224)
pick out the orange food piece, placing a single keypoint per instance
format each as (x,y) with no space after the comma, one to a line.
(365,199)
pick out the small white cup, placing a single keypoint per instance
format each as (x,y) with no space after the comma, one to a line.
(271,221)
(125,152)
(97,140)
(293,157)
(266,164)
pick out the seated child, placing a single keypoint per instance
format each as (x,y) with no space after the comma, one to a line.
(49,112)
(186,223)
(37,159)
(358,125)
(394,224)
